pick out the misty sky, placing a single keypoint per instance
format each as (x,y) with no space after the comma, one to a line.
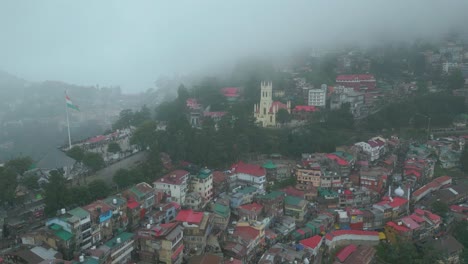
(131,43)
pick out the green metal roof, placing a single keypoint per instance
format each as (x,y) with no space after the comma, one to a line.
(204,173)
(88,260)
(246,190)
(123,237)
(344,155)
(271,195)
(55,227)
(79,212)
(64,235)
(221,210)
(292,200)
(137,192)
(269,165)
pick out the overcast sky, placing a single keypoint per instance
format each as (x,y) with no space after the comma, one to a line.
(131,43)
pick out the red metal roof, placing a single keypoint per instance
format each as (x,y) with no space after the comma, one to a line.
(337,159)
(416,218)
(96,139)
(353,77)
(176,177)
(132,204)
(399,228)
(413,172)
(252,207)
(346,252)
(311,242)
(458,208)
(250,169)
(189,216)
(230,91)
(279,105)
(247,233)
(397,202)
(305,108)
(410,223)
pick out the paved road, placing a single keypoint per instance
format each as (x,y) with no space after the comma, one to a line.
(107,173)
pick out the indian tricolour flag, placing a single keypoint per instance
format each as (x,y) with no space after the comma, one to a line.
(70,103)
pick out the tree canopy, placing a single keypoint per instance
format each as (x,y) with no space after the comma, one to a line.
(8,184)
(76,153)
(93,160)
(113,147)
(19,165)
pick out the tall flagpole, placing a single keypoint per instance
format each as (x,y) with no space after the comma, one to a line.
(68,125)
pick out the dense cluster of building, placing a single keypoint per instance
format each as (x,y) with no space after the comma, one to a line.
(349,200)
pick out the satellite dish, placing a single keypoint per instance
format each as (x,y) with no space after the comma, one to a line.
(399,192)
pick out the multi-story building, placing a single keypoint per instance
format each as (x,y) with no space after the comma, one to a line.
(220,182)
(203,184)
(374,148)
(194,201)
(295,207)
(74,227)
(273,203)
(101,215)
(163,213)
(243,195)
(359,82)
(249,174)
(340,164)
(221,216)
(161,244)
(318,97)
(249,212)
(310,175)
(143,193)
(119,212)
(330,179)
(197,226)
(313,243)
(397,206)
(354,198)
(121,248)
(174,184)
(374,178)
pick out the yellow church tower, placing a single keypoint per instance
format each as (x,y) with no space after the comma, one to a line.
(265,111)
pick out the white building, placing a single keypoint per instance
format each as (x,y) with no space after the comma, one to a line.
(174,184)
(249,174)
(318,97)
(203,184)
(374,147)
(345,237)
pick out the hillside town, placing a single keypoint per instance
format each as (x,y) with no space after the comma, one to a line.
(341,206)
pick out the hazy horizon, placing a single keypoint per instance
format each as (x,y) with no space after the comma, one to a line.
(130,44)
